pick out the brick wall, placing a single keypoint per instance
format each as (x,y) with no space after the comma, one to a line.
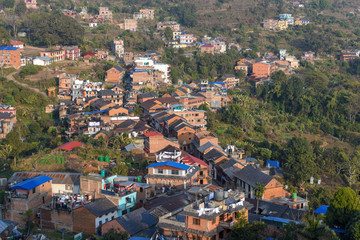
(109,225)
(274,189)
(84,221)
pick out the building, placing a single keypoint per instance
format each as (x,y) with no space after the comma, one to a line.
(249,177)
(10,56)
(55,55)
(209,218)
(90,217)
(270,24)
(155,141)
(260,69)
(30,4)
(348,56)
(130,25)
(72,53)
(144,14)
(172,174)
(175,27)
(230,80)
(61,182)
(117,46)
(105,13)
(207,49)
(137,223)
(114,74)
(42,61)
(7,119)
(17,43)
(26,195)
(187,39)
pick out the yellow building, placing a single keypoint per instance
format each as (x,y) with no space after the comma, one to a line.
(282,25)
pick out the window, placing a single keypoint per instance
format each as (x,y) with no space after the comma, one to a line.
(106,220)
(112,218)
(141,189)
(100,222)
(160,171)
(196,221)
(201,173)
(175,172)
(213,221)
(34,190)
(128,200)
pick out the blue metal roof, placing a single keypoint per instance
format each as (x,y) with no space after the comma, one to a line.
(32,183)
(337,230)
(322,209)
(103,111)
(280,220)
(272,163)
(222,83)
(250,160)
(170,164)
(8,48)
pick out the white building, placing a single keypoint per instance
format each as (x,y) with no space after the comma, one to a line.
(42,61)
(163,67)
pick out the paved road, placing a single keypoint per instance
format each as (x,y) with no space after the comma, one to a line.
(10,77)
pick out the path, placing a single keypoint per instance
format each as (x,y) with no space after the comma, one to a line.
(10,77)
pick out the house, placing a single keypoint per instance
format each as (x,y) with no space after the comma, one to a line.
(68,147)
(61,182)
(207,49)
(136,223)
(249,177)
(30,4)
(260,69)
(17,43)
(114,74)
(7,120)
(105,13)
(212,219)
(172,174)
(10,56)
(230,80)
(117,47)
(155,141)
(175,27)
(93,25)
(26,195)
(130,25)
(146,96)
(8,229)
(112,96)
(43,61)
(90,217)
(72,53)
(88,55)
(144,14)
(55,55)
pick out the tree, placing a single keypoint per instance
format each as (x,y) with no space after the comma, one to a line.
(20,8)
(8,3)
(259,192)
(314,230)
(299,161)
(353,228)
(115,234)
(13,140)
(245,230)
(29,220)
(342,208)
(168,33)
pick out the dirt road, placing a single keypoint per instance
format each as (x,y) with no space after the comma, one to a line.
(10,77)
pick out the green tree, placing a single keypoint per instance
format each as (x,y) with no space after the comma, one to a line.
(115,234)
(342,208)
(138,110)
(20,8)
(8,3)
(314,230)
(245,230)
(299,161)
(29,220)
(13,140)
(353,228)
(259,192)
(168,33)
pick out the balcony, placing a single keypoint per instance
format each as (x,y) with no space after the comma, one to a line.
(228,224)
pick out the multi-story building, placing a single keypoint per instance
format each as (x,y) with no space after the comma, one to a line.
(260,69)
(114,74)
(175,27)
(72,53)
(26,195)
(131,25)
(117,47)
(55,55)
(10,56)
(187,39)
(7,119)
(209,218)
(31,4)
(172,174)
(207,49)
(105,13)
(144,14)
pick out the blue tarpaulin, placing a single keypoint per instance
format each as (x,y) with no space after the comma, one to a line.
(32,183)
(170,164)
(322,209)
(272,163)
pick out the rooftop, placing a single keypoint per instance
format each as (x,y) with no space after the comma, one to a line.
(32,183)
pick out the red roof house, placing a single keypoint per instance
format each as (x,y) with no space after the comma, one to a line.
(89,55)
(191,160)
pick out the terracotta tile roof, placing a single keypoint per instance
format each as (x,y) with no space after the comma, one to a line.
(190,160)
(152,133)
(70,146)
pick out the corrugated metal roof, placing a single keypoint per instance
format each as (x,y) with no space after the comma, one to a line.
(170,164)
(57,177)
(8,48)
(32,183)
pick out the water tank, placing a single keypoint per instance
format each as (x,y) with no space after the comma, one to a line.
(294,195)
(139,178)
(107,159)
(101,158)
(211,205)
(219,195)
(103,173)
(226,194)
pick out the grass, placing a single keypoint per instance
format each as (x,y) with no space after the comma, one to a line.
(55,159)
(57,235)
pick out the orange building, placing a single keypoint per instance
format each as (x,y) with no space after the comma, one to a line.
(114,75)
(10,56)
(208,49)
(131,25)
(55,55)
(260,69)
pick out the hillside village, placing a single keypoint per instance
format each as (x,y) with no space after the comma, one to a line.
(141,146)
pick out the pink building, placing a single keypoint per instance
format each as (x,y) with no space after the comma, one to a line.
(72,53)
(30,4)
